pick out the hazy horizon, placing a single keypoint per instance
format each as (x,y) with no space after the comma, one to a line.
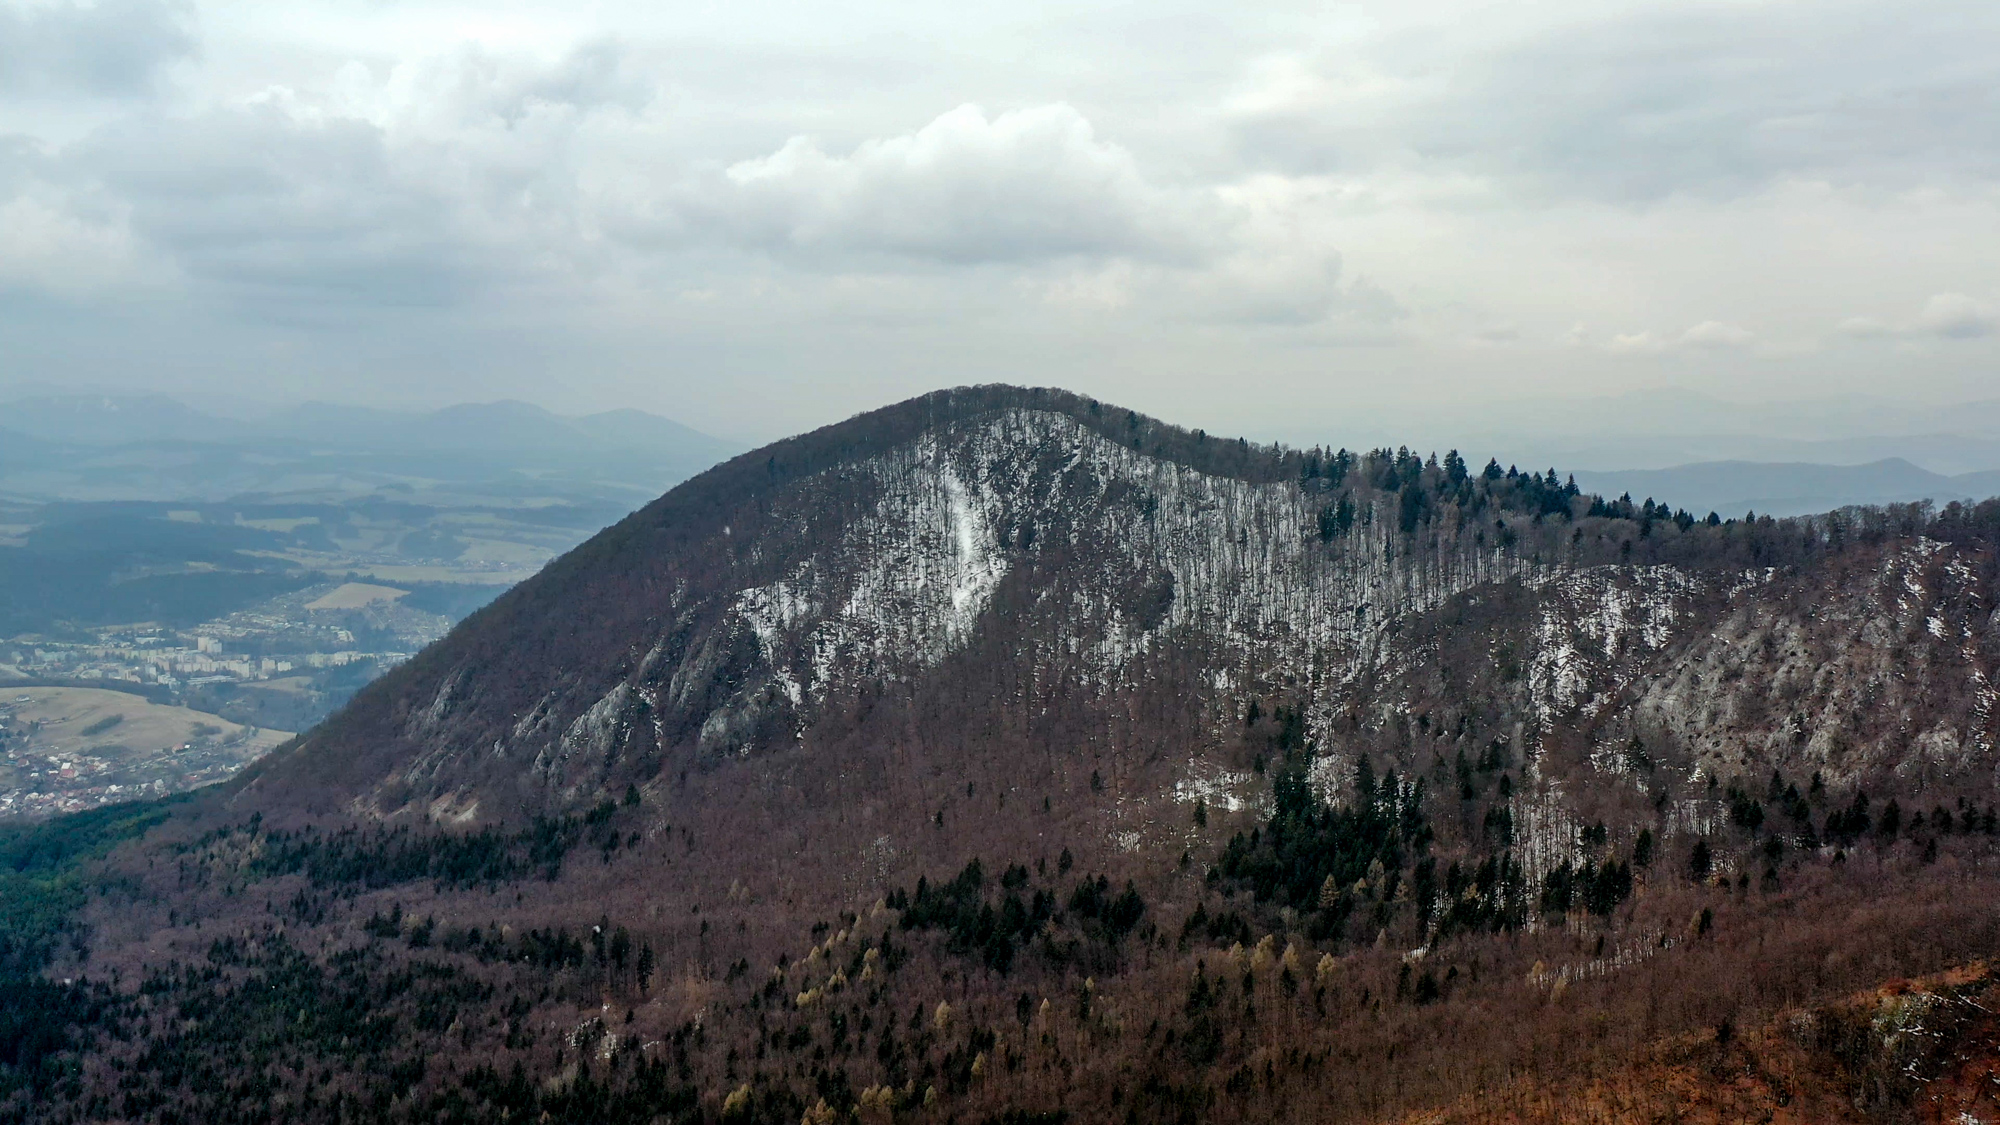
(1640,430)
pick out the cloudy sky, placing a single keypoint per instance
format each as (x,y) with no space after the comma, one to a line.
(761,216)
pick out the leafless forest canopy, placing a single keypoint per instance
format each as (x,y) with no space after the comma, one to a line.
(1006,756)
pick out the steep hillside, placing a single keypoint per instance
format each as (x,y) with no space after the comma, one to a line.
(750,608)
(1007,753)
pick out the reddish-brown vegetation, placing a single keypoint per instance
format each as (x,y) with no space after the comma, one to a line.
(1597,781)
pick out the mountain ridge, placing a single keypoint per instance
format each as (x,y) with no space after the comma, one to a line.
(1002,752)
(698,510)
(623,588)
(99,420)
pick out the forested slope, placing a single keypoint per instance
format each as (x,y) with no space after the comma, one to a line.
(1005,753)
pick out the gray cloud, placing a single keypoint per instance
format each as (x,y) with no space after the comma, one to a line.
(1637,104)
(108,48)
(671,206)
(278,212)
(280,204)
(305,211)
(1721,100)
(597,74)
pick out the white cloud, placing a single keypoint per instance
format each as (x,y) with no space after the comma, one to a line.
(62,237)
(1716,334)
(1956,316)
(1708,335)
(56,247)
(1638,343)
(1948,316)
(1261,252)
(426,184)
(419,185)
(1022,186)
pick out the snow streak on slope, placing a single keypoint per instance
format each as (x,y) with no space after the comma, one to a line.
(904,586)
(1590,621)
(1089,563)
(1042,573)
(1155,549)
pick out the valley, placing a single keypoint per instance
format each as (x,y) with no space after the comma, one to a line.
(233,616)
(75,748)
(263,573)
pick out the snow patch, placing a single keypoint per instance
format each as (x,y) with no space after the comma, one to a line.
(1217,790)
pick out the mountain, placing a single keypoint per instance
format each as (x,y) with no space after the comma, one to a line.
(120,449)
(503,426)
(336,422)
(507,427)
(1736,488)
(95,420)
(636,429)
(1004,755)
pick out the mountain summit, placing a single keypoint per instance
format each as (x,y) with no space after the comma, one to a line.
(971,537)
(1006,755)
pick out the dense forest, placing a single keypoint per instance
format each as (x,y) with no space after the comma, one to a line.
(343,982)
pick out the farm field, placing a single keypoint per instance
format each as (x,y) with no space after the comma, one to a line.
(354,595)
(69,748)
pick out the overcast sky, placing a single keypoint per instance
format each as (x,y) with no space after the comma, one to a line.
(762,216)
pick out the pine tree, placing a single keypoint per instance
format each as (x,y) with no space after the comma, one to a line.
(1642,849)
(1454,468)
(621,951)
(1892,819)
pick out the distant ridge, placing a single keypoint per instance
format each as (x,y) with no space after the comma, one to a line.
(153,448)
(504,425)
(1734,488)
(117,420)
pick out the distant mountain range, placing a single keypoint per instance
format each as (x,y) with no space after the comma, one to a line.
(1704,453)
(1733,488)
(151,447)
(482,440)
(493,426)
(1662,428)
(100,420)
(116,420)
